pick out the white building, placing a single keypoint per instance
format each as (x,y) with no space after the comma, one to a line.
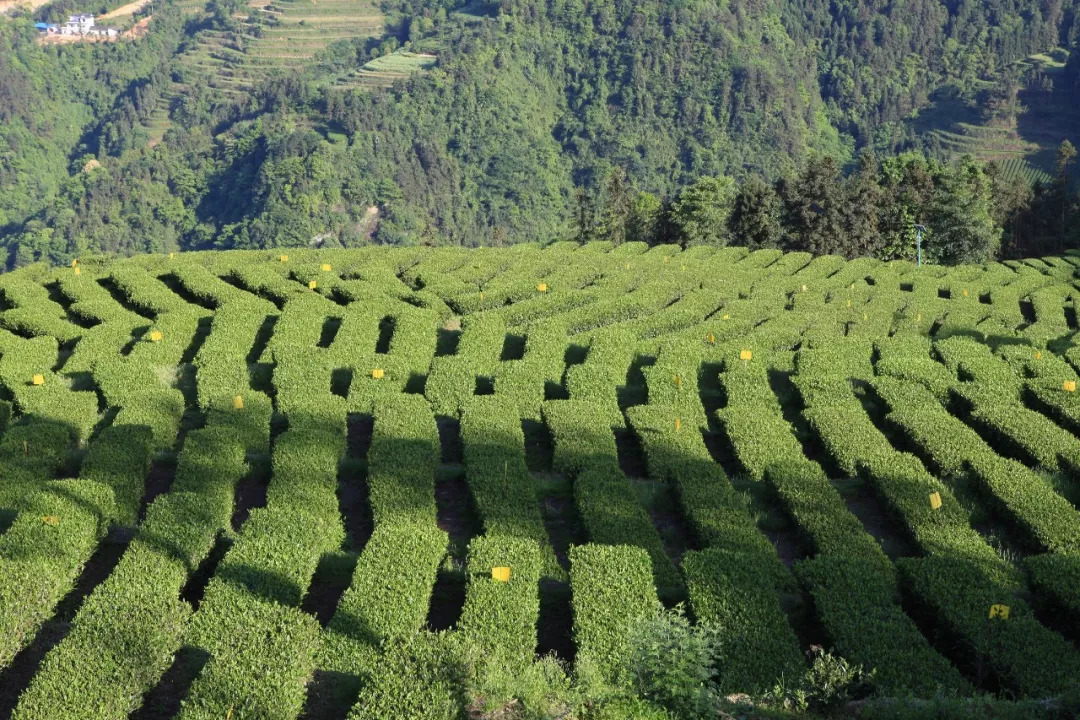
(77,25)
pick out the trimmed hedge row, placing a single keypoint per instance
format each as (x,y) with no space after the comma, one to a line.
(612,589)
(144,292)
(500,618)
(31,311)
(1057,578)
(222,361)
(499,481)
(605,367)
(53,401)
(404,454)
(261,657)
(821,513)
(956,594)
(1049,519)
(391,588)
(41,554)
(523,381)
(858,604)
(758,648)
(586,449)
(907,357)
(856,445)
(716,515)
(262,648)
(673,381)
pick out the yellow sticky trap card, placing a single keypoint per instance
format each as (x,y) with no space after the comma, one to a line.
(678,381)
(935,500)
(711,338)
(542,287)
(725,317)
(745,355)
(283,258)
(156,336)
(172,255)
(1069,386)
(238,403)
(326,267)
(678,423)
(999,611)
(37,380)
(965,293)
(1038,355)
(500,574)
(378,373)
(78,271)
(627,266)
(74,263)
(52,520)
(312,285)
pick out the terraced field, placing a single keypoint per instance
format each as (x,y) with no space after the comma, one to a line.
(277,38)
(1026,151)
(238,485)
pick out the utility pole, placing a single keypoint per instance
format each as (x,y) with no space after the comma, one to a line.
(919,230)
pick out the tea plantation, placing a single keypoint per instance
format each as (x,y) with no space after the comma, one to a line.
(251,485)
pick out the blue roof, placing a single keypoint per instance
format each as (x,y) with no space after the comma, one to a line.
(41,26)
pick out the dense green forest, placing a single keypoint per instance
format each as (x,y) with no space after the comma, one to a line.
(777,123)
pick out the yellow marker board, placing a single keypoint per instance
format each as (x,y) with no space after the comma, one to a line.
(326,267)
(238,403)
(312,285)
(501,574)
(725,317)
(50,520)
(999,611)
(1038,355)
(678,423)
(935,500)
(1069,386)
(746,355)
(74,263)
(78,271)
(38,380)
(711,338)
(378,373)
(542,287)
(156,336)
(283,258)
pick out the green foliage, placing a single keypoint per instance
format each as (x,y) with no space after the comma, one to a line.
(754,645)
(613,591)
(672,663)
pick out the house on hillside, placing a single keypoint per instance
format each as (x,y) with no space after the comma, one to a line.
(78,25)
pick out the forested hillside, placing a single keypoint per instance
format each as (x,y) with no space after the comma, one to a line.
(230,126)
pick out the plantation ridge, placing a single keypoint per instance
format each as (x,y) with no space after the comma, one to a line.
(570,481)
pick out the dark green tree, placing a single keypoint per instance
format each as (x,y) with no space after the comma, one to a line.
(755,219)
